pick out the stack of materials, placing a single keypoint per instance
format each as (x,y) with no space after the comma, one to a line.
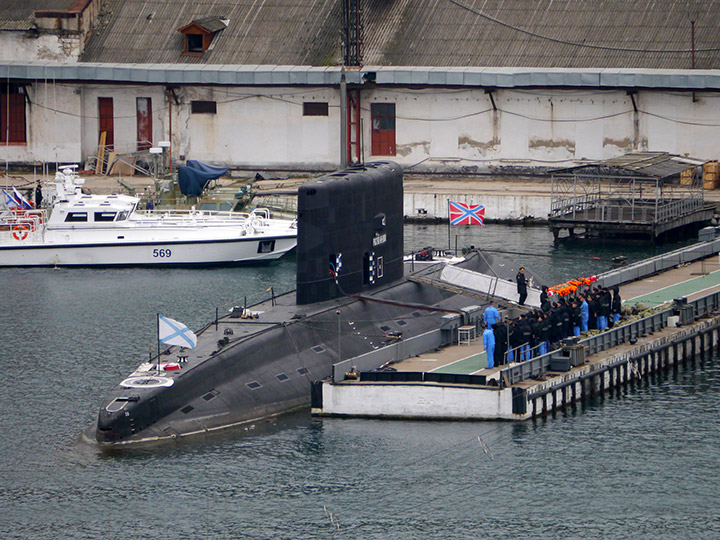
(686,177)
(711,175)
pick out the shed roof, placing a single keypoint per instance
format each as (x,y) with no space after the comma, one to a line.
(654,34)
(655,165)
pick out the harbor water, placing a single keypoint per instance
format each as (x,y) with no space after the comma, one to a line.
(640,462)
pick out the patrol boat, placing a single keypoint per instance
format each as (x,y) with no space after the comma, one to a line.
(106,230)
(351,299)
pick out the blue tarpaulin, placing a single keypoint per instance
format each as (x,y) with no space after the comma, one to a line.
(194,176)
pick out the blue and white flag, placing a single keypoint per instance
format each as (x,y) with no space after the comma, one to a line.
(175,333)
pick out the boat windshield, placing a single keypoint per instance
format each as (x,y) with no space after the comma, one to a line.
(122,216)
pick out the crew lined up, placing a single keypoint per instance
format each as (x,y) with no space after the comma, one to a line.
(532,334)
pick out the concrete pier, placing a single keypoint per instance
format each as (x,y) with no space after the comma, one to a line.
(453,382)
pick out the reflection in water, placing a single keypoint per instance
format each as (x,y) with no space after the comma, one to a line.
(639,462)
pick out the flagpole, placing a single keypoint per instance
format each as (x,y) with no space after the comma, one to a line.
(158,337)
(449,245)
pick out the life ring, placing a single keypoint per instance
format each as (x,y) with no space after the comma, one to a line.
(20,231)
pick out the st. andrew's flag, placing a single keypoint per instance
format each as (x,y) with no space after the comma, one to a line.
(175,333)
(466,214)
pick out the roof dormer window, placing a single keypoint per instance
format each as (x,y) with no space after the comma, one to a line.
(199,34)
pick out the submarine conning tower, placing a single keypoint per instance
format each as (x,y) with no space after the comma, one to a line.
(350,231)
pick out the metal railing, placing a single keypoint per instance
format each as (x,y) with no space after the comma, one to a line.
(535,367)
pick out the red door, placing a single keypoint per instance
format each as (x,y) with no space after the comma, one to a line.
(144,123)
(383,129)
(12,117)
(106,124)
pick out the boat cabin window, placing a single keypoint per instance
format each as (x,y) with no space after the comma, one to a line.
(76,217)
(105,216)
(266,246)
(122,216)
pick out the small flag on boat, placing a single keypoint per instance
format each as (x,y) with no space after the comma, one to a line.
(175,333)
(466,214)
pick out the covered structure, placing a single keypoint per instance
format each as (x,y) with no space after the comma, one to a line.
(640,194)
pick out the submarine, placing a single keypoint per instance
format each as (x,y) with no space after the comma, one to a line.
(352,297)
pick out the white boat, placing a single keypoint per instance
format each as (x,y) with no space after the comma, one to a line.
(106,230)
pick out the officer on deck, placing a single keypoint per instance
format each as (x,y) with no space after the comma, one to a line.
(521,285)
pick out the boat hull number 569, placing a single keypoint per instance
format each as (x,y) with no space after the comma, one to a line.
(162,253)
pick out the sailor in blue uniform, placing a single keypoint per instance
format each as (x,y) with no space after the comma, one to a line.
(489,344)
(491,315)
(584,314)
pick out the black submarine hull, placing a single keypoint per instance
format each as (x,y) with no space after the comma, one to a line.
(349,256)
(271,371)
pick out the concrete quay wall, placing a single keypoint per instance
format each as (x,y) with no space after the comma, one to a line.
(623,368)
(526,400)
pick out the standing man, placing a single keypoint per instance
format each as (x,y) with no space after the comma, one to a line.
(489,344)
(616,305)
(521,285)
(584,314)
(38,195)
(491,315)
(501,344)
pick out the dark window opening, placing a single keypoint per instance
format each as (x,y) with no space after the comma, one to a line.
(385,328)
(209,396)
(318,348)
(303,371)
(312,108)
(281,377)
(12,114)
(266,246)
(187,409)
(104,216)
(76,217)
(401,322)
(194,43)
(203,107)
(253,385)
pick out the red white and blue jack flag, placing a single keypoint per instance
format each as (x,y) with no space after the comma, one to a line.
(466,214)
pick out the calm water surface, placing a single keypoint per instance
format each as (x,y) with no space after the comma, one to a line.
(642,463)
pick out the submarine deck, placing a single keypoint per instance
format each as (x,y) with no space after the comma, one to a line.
(440,385)
(691,281)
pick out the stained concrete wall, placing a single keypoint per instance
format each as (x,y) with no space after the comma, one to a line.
(415,401)
(51,47)
(437,129)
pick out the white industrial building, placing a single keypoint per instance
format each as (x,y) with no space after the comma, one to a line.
(223,92)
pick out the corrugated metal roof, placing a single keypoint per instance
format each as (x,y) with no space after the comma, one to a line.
(542,33)
(212,24)
(494,33)
(656,165)
(19,14)
(280,32)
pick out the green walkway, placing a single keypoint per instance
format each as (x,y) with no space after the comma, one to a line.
(468,365)
(476,362)
(684,288)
